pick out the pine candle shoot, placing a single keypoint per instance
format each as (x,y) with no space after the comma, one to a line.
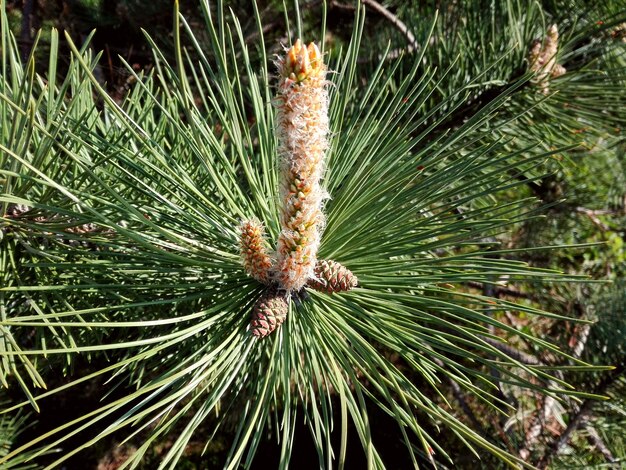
(302,126)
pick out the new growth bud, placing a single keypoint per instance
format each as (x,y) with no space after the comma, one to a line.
(301,63)
(542,59)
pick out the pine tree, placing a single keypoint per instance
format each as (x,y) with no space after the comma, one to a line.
(198,243)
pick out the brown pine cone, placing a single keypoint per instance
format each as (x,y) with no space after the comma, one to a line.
(268,313)
(331,276)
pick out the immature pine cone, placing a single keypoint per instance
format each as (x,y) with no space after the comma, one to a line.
(256,260)
(268,313)
(331,276)
(302,126)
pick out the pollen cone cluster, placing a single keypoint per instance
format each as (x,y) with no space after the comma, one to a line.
(331,277)
(302,125)
(302,130)
(542,59)
(255,257)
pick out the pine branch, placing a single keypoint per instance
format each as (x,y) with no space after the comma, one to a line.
(413,44)
(513,352)
(396,22)
(471,108)
(578,419)
(595,440)
(593,216)
(536,429)
(500,291)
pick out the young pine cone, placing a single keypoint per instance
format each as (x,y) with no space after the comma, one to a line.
(268,313)
(331,276)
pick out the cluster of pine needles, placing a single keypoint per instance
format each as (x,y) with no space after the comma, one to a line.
(134,248)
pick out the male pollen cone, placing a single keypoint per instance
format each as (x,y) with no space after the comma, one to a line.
(256,260)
